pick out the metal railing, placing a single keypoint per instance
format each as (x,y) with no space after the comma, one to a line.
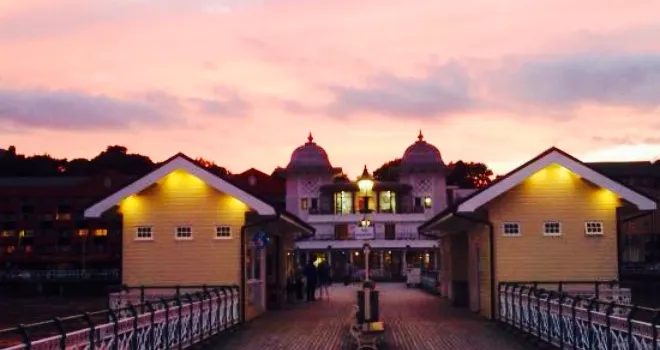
(572,318)
(188,316)
(56,275)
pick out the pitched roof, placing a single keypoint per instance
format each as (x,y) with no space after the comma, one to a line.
(181,161)
(551,156)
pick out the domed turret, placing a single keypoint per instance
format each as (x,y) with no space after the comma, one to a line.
(422,156)
(309,157)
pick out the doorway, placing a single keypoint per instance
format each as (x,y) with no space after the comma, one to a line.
(274,283)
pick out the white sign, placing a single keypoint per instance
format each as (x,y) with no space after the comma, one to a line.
(364,232)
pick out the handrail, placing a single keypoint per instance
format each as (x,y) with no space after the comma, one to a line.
(176,320)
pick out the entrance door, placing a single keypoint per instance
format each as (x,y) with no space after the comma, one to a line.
(273,274)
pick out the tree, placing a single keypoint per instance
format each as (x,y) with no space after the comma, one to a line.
(460,173)
(212,167)
(388,171)
(469,175)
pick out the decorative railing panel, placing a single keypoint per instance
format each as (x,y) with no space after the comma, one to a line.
(161,322)
(572,321)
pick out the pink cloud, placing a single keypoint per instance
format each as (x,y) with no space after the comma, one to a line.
(285,62)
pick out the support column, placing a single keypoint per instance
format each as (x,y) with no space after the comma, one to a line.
(404,264)
(382,263)
(306,258)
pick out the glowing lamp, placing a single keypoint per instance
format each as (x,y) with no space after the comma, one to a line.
(365,181)
(365,222)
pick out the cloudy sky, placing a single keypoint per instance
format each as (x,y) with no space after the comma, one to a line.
(242,82)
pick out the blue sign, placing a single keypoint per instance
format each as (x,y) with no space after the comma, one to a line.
(260,240)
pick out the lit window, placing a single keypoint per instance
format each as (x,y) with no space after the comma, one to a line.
(183,232)
(304,204)
(144,233)
(223,232)
(100,232)
(552,228)
(10,249)
(7,233)
(26,233)
(427,202)
(511,229)
(593,227)
(83,232)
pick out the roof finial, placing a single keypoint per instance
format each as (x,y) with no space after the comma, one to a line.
(310,138)
(420,137)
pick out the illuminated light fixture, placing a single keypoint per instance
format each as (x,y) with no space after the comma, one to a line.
(365,222)
(365,181)
(357,253)
(427,202)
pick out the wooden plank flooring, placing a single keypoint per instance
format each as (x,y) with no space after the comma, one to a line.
(415,321)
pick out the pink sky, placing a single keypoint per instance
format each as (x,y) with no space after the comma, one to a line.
(242,82)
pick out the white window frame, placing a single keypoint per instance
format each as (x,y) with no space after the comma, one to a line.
(218,228)
(591,222)
(552,234)
(180,238)
(137,233)
(505,234)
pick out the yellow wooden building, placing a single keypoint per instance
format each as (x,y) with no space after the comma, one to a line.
(551,219)
(183,225)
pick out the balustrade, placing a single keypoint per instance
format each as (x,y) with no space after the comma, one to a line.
(577,320)
(140,318)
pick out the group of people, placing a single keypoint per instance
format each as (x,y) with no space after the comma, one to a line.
(312,278)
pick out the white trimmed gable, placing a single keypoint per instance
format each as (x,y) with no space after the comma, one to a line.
(180,162)
(556,157)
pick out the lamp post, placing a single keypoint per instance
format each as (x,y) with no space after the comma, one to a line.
(365,183)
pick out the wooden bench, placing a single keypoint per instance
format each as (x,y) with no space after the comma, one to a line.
(365,340)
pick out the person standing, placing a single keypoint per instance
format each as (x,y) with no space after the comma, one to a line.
(324,279)
(311,275)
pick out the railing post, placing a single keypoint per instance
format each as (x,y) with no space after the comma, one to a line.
(654,329)
(529,310)
(92,329)
(597,292)
(514,314)
(166,329)
(25,336)
(216,291)
(576,301)
(505,301)
(590,334)
(520,308)
(152,321)
(142,292)
(134,339)
(201,314)
(115,328)
(190,319)
(608,322)
(561,300)
(629,319)
(180,320)
(549,315)
(60,328)
(561,286)
(538,314)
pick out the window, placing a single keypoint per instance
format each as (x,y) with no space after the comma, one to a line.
(511,229)
(390,231)
(593,228)
(343,203)
(341,232)
(315,204)
(83,232)
(144,233)
(100,232)
(552,228)
(223,232)
(26,233)
(7,233)
(183,232)
(387,202)
(304,204)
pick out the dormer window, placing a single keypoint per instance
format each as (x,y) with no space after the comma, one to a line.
(304,204)
(387,201)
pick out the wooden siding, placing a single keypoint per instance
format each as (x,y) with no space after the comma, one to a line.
(180,199)
(555,194)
